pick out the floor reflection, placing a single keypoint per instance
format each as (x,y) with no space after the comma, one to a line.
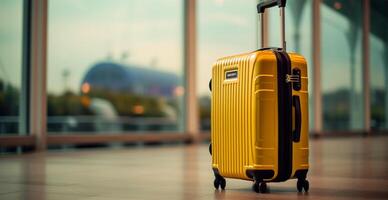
(34,185)
(341,168)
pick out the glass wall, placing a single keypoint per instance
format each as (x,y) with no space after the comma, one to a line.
(298,35)
(224,28)
(378,39)
(11,57)
(118,67)
(115,66)
(341,59)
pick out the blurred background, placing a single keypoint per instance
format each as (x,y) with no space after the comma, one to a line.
(137,67)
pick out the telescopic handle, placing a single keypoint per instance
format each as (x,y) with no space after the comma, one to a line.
(268,4)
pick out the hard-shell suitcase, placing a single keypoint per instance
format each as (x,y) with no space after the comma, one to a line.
(259,115)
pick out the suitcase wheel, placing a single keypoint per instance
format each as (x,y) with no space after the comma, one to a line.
(210,85)
(219,181)
(260,187)
(302,184)
(210,148)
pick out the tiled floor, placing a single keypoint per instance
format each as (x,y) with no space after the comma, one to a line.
(341,168)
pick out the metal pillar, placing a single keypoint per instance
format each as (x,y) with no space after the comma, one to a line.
(316,72)
(38,68)
(366,64)
(191,108)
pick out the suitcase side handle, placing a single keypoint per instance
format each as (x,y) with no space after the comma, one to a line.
(268,4)
(298,118)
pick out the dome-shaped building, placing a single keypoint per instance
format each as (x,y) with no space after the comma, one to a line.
(130,79)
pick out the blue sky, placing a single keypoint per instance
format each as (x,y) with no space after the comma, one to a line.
(82,33)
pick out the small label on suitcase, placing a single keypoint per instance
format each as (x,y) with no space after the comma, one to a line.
(231,75)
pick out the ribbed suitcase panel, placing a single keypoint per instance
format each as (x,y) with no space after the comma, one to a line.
(232,132)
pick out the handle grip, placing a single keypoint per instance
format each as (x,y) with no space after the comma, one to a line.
(270,3)
(298,119)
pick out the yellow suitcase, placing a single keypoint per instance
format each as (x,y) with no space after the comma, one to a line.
(259,116)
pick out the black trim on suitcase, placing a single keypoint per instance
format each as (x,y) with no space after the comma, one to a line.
(301,174)
(284,117)
(260,174)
